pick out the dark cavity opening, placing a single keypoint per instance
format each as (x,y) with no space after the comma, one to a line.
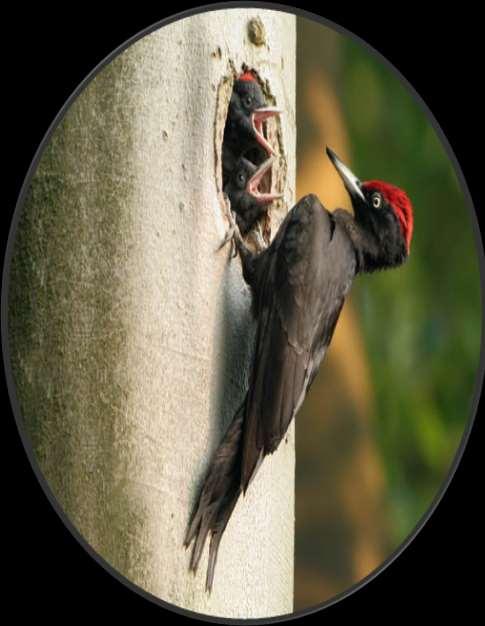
(250,138)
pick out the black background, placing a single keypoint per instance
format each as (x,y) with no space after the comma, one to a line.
(47,54)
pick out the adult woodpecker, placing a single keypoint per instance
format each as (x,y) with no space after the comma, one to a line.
(299,284)
(244,124)
(243,192)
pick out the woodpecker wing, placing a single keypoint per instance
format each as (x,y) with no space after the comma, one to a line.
(300,286)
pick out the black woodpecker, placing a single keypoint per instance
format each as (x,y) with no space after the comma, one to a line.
(244,132)
(299,284)
(242,189)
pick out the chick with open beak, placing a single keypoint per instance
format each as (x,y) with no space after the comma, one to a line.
(242,190)
(244,131)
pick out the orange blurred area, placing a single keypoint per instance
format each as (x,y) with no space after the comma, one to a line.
(340,513)
(378,432)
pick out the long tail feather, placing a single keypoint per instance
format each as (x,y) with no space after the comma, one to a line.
(218,498)
(216,537)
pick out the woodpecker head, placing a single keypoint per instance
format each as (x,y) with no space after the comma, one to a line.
(245,180)
(248,110)
(243,191)
(384,213)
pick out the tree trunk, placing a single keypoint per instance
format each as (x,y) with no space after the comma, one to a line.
(130,336)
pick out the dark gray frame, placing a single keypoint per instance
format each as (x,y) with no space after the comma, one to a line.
(6,282)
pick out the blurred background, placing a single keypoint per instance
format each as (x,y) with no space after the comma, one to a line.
(379,430)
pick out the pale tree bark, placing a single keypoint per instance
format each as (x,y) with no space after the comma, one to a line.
(130,337)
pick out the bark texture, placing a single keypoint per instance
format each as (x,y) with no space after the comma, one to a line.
(130,336)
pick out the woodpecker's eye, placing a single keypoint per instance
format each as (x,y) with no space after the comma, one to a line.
(248,101)
(376,200)
(241,178)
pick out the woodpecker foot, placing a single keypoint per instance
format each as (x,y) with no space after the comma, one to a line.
(229,234)
(228,238)
(233,234)
(257,240)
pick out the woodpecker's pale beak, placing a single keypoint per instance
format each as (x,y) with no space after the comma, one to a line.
(257,118)
(255,180)
(351,182)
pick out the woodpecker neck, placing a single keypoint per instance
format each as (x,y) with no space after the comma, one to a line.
(375,247)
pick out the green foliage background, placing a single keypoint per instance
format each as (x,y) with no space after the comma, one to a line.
(380,429)
(430,310)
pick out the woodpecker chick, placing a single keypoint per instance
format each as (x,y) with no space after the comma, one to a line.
(299,284)
(244,125)
(243,192)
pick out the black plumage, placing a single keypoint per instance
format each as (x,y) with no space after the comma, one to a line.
(244,132)
(242,189)
(299,284)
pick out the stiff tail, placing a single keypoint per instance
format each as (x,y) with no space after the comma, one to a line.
(218,498)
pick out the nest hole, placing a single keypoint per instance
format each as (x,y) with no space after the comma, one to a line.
(274,179)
